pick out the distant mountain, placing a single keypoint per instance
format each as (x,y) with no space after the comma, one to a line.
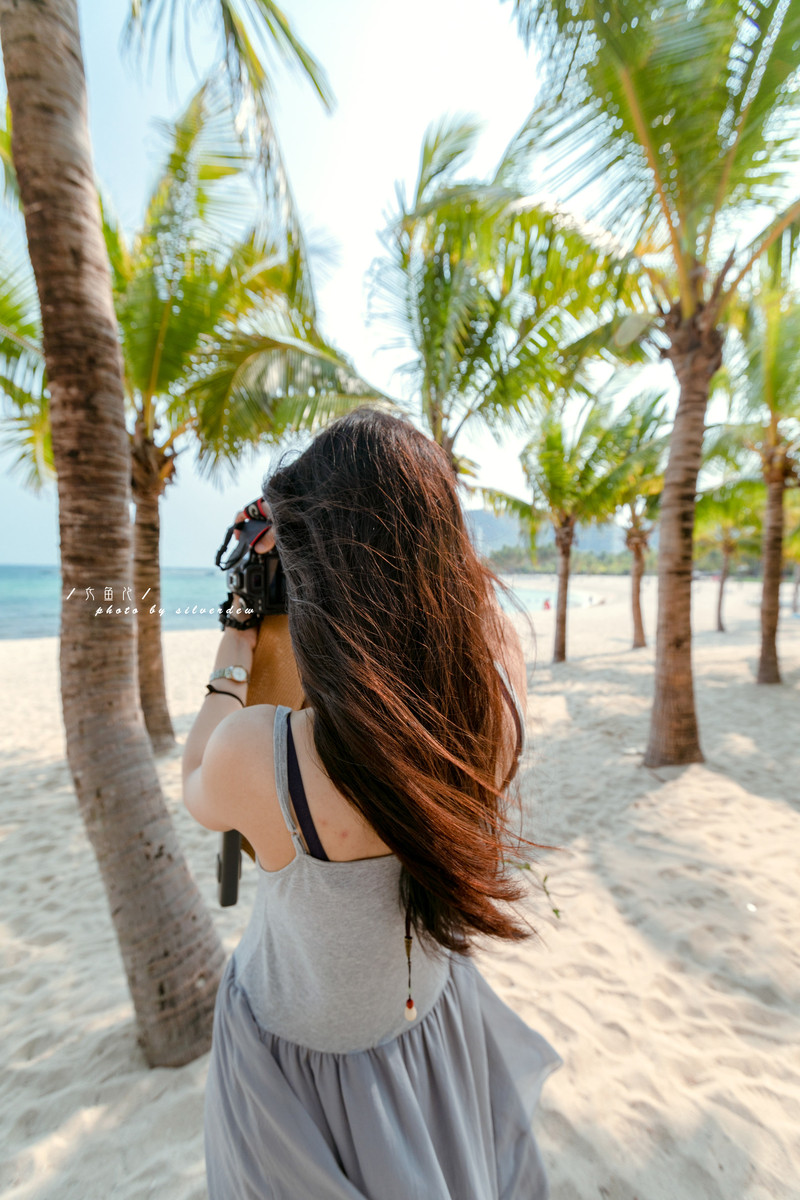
(490,533)
(597,539)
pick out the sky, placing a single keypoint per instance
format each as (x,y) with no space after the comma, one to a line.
(394,69)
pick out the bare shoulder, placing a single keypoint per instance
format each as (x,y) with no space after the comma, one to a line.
(248,736)
(241,780)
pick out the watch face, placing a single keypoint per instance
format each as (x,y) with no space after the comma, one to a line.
(239,674)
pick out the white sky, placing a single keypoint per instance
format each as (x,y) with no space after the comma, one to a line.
(394,69)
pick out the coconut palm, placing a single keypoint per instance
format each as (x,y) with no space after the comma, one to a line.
(728,518)
(673,123)
(638,483)
(486,291)
(771,388)
(762,378)
(173,965)
(571,466)
(792,545)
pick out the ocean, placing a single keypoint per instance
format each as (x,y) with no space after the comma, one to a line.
(30,599)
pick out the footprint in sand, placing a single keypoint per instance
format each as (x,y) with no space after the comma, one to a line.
(26,1126)
(751,1067)
(586,971)
(30,984)
(667,986)
(596,949)
(615,1038)
(49,937)
(657,1009)
(688,1072)
(34,1048)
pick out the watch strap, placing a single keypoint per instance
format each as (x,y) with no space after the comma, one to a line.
(227,673)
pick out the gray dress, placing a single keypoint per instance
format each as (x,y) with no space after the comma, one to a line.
(319,1088)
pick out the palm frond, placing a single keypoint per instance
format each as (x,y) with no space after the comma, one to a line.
(9,188)
(254,36)
(247,24)
(765,375)
(259,387)
(185,271)
(22,369)
(445,147)
(503,504)
(490,295)
(27,440)
(667,120)
(730,515)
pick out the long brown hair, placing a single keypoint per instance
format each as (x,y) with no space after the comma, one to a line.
(391,617)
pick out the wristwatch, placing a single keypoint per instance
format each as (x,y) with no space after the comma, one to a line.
(236,674)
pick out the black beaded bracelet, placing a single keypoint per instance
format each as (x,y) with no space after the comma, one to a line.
(212,691)
(228,623)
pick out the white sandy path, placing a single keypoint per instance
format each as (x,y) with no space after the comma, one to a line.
(670,984)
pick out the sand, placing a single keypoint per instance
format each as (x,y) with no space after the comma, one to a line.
(669,981)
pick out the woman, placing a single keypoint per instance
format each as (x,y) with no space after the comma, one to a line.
(357,1051)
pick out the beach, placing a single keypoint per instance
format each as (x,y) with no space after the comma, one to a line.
(665,970)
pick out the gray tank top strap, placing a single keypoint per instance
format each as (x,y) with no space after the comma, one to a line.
(282,774)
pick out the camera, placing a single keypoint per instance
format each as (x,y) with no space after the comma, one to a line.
(257,578)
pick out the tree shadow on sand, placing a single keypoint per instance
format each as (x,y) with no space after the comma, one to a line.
(693,894)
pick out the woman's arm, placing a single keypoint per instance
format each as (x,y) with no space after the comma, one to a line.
(208,758)
(209,761)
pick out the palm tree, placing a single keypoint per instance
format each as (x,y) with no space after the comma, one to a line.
(792,544)
(638,483)
(771,386)
(728,519)
(674,121)
(173,965)
(486,291)
(571,466)
(215,350)
(762,378)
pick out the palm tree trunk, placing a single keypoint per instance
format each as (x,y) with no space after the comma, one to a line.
(169,947)
(696,354)
(723,576)
(147,582)
(564,537)
(775,478)
(637,548)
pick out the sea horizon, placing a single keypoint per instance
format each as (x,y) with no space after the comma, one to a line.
(30,598)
